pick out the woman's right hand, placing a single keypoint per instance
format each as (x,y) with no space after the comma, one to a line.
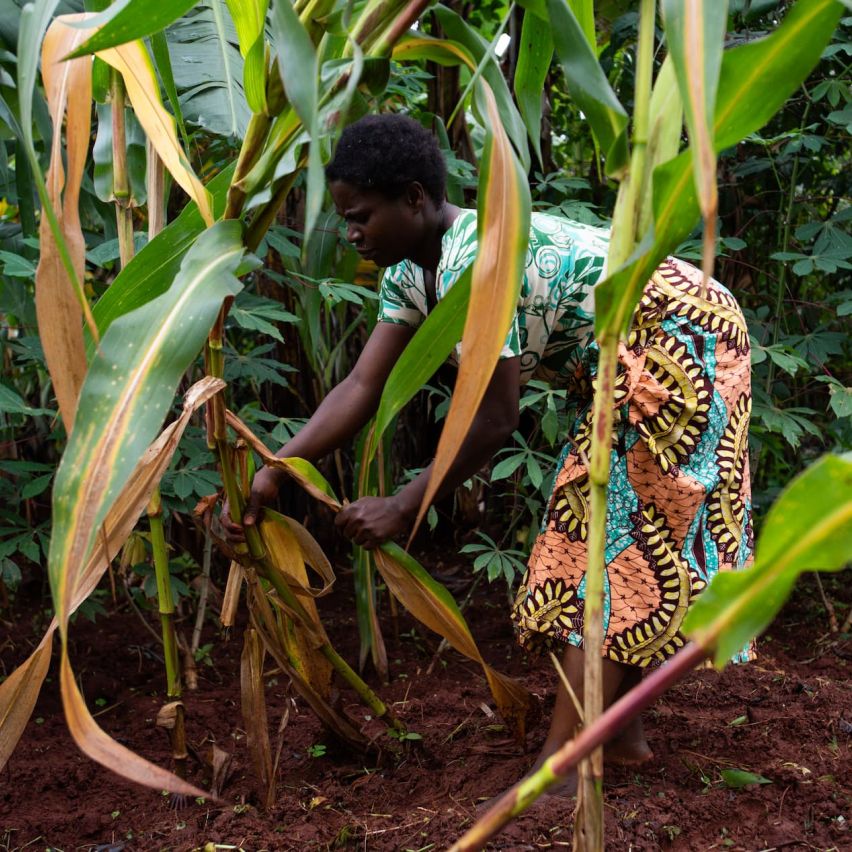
(264,490)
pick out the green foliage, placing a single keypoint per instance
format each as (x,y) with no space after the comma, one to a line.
(497,562)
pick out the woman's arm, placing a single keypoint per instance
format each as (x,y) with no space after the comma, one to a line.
(344,411)
(372,520)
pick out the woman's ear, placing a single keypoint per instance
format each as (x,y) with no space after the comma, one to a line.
(415,196)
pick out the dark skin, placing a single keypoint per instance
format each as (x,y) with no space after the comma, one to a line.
(387,231)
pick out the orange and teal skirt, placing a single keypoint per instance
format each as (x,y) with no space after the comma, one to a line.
(679,496)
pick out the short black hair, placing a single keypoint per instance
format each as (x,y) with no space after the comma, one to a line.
(385,153)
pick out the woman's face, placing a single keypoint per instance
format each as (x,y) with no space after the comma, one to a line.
(383,230)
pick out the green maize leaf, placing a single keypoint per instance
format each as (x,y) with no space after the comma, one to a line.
(809,528)
(127,394)
(535,7)
(738,778)
(34,20)
(584,12)
(695,35)
(300,73)
(503,227)
(755,81)
(430,602)
(151,272)
(249,17)
(426,351)
(665,117)
(695,38)
(457,30)
(129,21)
(163,64)
(534,55)
(589,87)
(19,692)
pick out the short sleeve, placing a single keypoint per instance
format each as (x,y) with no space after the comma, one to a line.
(396,304)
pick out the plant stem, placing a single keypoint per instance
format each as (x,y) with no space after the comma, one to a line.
(589,831)
(251,149)
(120,181)
(177,733)
(259,559)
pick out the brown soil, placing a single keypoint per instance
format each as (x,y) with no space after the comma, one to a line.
(787,717)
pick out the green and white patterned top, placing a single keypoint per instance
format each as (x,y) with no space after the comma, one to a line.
(555,317)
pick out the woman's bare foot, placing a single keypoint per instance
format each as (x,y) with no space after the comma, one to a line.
(629,748)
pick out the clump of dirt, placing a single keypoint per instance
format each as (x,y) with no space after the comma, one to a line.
(786,717)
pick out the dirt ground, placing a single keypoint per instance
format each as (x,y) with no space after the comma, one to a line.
(787,717)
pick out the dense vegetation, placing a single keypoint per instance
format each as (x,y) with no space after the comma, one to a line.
(300,320)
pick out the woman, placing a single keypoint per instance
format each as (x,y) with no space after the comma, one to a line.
(679,499)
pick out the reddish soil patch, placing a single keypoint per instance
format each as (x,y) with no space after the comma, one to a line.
(793,712)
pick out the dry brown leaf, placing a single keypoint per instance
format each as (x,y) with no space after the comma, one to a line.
(232,595)
(497,273)
(513,700)
(253,700)
(220,763)
(68,86)
(94,742)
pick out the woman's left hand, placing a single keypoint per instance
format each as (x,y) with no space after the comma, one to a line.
(371,521)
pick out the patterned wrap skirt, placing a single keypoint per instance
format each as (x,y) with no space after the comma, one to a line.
(679,497)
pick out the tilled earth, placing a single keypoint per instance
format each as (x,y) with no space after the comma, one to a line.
(786,717)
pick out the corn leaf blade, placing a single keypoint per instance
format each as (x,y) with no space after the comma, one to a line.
(503,236)
(19,692)
(695,32)
(125,22)
(534,56)
(430,603)
(588,86)
(249,19)
(300,73)
(153,268)
(134,64)
(430,347)
(809,528)
(126,396)
(68,88)
(510,120)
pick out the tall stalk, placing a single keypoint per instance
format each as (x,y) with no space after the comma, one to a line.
(165,598)
(120,180)
(589,831)
(166,607)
